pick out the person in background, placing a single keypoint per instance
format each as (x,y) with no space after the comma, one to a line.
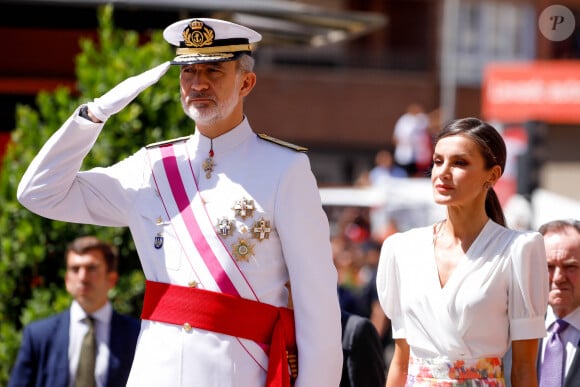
(363,360)
(412,140)
(562,242)
(460,291)
(51,348)
(385,168)
(228,225)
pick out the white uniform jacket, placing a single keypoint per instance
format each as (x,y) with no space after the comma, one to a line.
(276,181)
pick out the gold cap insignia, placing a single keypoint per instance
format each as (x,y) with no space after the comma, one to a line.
(197,34)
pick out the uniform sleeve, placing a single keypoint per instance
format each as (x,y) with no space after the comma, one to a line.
(528,297)
(388,286)
(305,237)
(54,187)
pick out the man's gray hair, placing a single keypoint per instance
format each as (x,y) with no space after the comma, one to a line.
(246,63)
(559,225)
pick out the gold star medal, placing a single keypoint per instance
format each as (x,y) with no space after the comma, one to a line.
(243,250)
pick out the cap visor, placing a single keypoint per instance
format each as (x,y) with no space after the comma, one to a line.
(205,58)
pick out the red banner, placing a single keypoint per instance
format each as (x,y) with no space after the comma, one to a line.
(546,91)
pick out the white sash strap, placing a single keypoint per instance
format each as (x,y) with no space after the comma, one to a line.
(215,267)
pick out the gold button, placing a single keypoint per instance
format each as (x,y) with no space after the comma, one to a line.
(193,284)
(187,327)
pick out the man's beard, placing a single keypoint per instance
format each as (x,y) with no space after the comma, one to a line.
(212,113)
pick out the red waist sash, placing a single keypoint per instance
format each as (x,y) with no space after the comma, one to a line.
(230,315)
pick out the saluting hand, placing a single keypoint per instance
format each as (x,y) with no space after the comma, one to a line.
(121,95)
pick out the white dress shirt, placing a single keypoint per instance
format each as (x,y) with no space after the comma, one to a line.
(77,330)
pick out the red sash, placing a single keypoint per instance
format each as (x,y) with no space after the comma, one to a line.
(218,312)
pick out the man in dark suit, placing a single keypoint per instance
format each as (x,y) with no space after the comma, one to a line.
(363,359)
(51,348)
(562,243)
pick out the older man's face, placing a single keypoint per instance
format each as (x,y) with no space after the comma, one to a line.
(563,256)
(212,93)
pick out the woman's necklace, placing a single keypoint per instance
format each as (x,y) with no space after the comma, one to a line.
(437,231)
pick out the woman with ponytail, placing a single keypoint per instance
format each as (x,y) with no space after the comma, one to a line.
(461,291)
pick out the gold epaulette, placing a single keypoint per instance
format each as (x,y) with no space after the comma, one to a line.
(286,144)
(167,142)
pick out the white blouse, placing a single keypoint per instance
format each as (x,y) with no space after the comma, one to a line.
(497,293)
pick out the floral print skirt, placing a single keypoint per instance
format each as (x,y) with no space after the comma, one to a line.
(484,372)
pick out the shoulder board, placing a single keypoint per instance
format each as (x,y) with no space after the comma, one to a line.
(297,148)
(167,142)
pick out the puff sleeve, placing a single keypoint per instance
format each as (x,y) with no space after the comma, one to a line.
(388,285)
(528,289)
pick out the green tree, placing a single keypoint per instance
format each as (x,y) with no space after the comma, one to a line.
(32,247)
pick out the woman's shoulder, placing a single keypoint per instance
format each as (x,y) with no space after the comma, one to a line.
(414,235)
(510,233)
(516,239)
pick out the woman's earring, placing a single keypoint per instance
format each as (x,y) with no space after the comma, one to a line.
(487,185)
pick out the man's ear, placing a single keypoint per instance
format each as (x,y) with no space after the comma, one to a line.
(113,277)
(248,83)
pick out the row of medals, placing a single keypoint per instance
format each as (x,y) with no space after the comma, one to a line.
(243,249)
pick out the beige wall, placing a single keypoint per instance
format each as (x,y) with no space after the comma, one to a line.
(562,178)
(561,173)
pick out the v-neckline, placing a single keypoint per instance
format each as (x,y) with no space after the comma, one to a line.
(460,262)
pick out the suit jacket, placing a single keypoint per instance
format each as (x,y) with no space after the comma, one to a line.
(363,359)
(573,377)
(43,357)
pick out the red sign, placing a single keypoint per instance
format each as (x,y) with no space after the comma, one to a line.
(546,91)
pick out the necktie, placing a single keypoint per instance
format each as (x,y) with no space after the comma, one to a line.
(86,368)
(553,364)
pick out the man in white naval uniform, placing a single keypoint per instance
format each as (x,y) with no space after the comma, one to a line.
(223,220)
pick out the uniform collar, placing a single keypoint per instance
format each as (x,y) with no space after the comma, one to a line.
(226,141)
